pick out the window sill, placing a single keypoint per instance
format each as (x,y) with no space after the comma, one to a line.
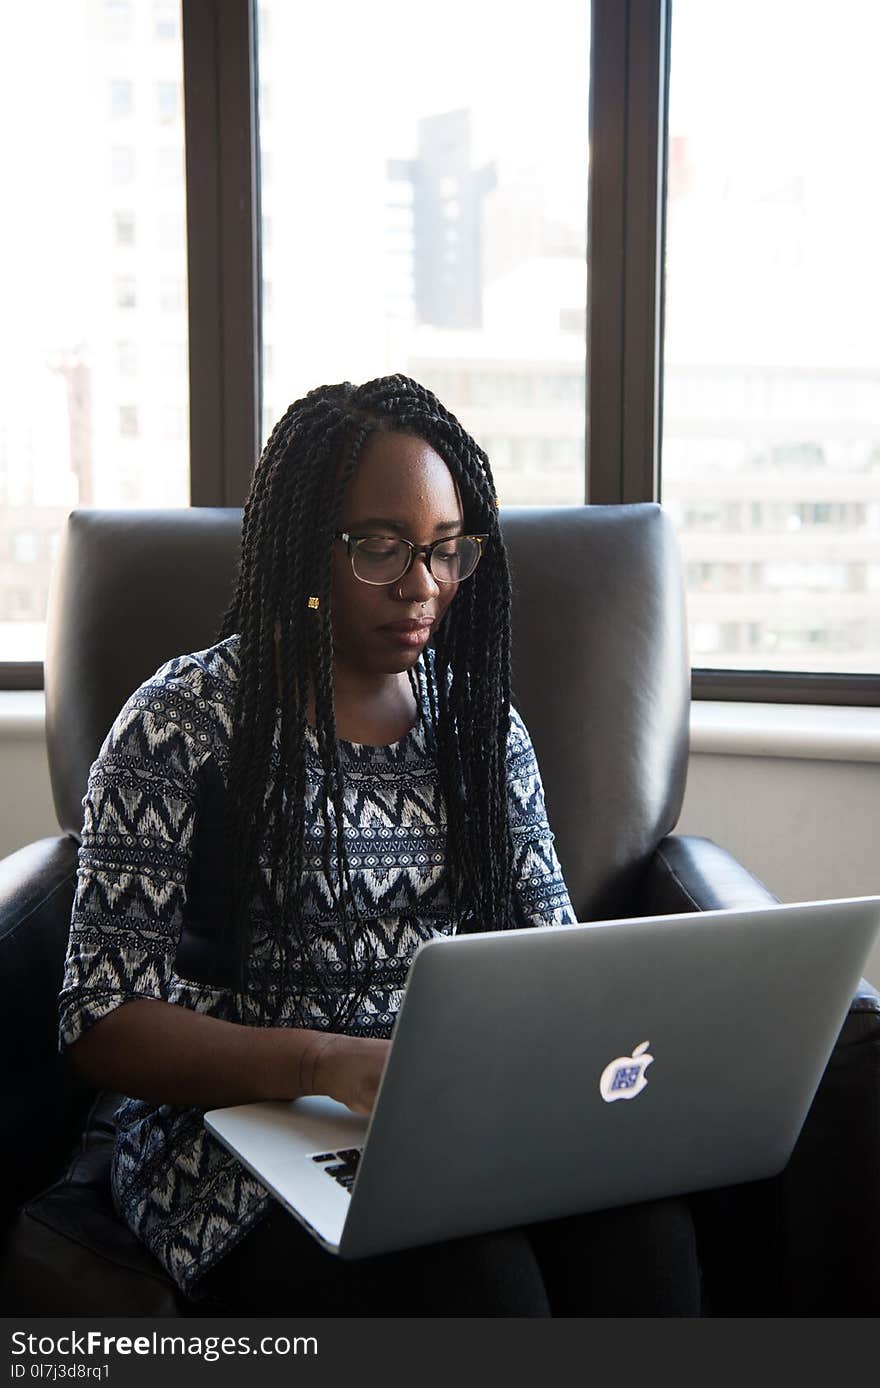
(814,732)
(22,714)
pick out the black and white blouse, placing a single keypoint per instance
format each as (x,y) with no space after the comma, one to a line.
(187,1198)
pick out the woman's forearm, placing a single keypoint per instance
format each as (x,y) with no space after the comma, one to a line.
(168,1054)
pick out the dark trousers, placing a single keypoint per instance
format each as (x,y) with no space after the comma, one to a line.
(640,1260)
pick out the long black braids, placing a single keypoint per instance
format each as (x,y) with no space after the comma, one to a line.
(287,540)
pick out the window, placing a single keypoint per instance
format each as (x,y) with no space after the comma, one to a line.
(465,265)
(121,98)
(165,16)
(172,232)
(172,359)
(122,164)
(130,486)
(759,448)
(172,293)
(169,166)
(126,358)
(123,228)
(771,413)
(24,546)
(19,604)
(167,102)
(118,20)
(173,423)
(129,426)
(79,285)
(126,291)
(573,320)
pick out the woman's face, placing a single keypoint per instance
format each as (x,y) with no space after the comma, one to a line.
(401,488)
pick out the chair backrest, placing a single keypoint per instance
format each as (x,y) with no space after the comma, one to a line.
(600,668)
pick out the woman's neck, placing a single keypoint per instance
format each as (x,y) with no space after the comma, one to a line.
(372,708)
(376,711)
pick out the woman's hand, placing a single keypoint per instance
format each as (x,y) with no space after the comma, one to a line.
(348,1068)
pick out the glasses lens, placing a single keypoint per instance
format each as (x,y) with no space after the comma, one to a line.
(455,559)
(379,561)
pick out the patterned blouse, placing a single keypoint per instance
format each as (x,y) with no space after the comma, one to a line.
(186,1197)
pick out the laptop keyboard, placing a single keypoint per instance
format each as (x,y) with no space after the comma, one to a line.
(342,1166)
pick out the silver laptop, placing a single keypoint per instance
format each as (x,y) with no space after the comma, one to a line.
(541,1072)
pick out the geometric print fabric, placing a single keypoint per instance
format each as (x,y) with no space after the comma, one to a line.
(186,1197)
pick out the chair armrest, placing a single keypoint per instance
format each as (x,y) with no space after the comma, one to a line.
(688,873)
(30,876)
(694,874)
(43,1104)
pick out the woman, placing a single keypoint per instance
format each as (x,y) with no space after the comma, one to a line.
(353,724)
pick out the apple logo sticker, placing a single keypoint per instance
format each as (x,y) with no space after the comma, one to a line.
(624,1077)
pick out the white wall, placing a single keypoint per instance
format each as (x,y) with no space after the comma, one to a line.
(806,823)
(807,829)
(26,809)
(794,794)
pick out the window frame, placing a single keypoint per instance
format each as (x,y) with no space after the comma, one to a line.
(630,57)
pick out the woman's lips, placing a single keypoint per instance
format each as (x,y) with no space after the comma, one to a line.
(410,633)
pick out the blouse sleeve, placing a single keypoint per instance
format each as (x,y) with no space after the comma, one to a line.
(137,839)
(540,894)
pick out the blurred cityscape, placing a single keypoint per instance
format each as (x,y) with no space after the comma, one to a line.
(464,267)
(771,424)
(100,414)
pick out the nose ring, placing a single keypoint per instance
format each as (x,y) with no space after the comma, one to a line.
(402,598)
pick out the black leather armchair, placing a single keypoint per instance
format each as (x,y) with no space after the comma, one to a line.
(601,677)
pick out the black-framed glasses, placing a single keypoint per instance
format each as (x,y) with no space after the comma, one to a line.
(381,559)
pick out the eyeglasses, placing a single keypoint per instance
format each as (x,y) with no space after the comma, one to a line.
(380,559)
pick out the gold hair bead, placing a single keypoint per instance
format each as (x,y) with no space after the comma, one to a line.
(497,504)
(314,603)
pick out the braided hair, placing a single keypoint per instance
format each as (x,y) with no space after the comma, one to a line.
(288,530)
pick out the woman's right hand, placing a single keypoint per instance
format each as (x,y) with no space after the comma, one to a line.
(347,1068)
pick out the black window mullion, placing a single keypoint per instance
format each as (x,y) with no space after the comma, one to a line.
(21,674)
(627,134)
(219,58)
(606,250)
(786,687)
(643,280)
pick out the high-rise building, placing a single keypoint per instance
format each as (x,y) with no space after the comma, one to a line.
(447,201)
